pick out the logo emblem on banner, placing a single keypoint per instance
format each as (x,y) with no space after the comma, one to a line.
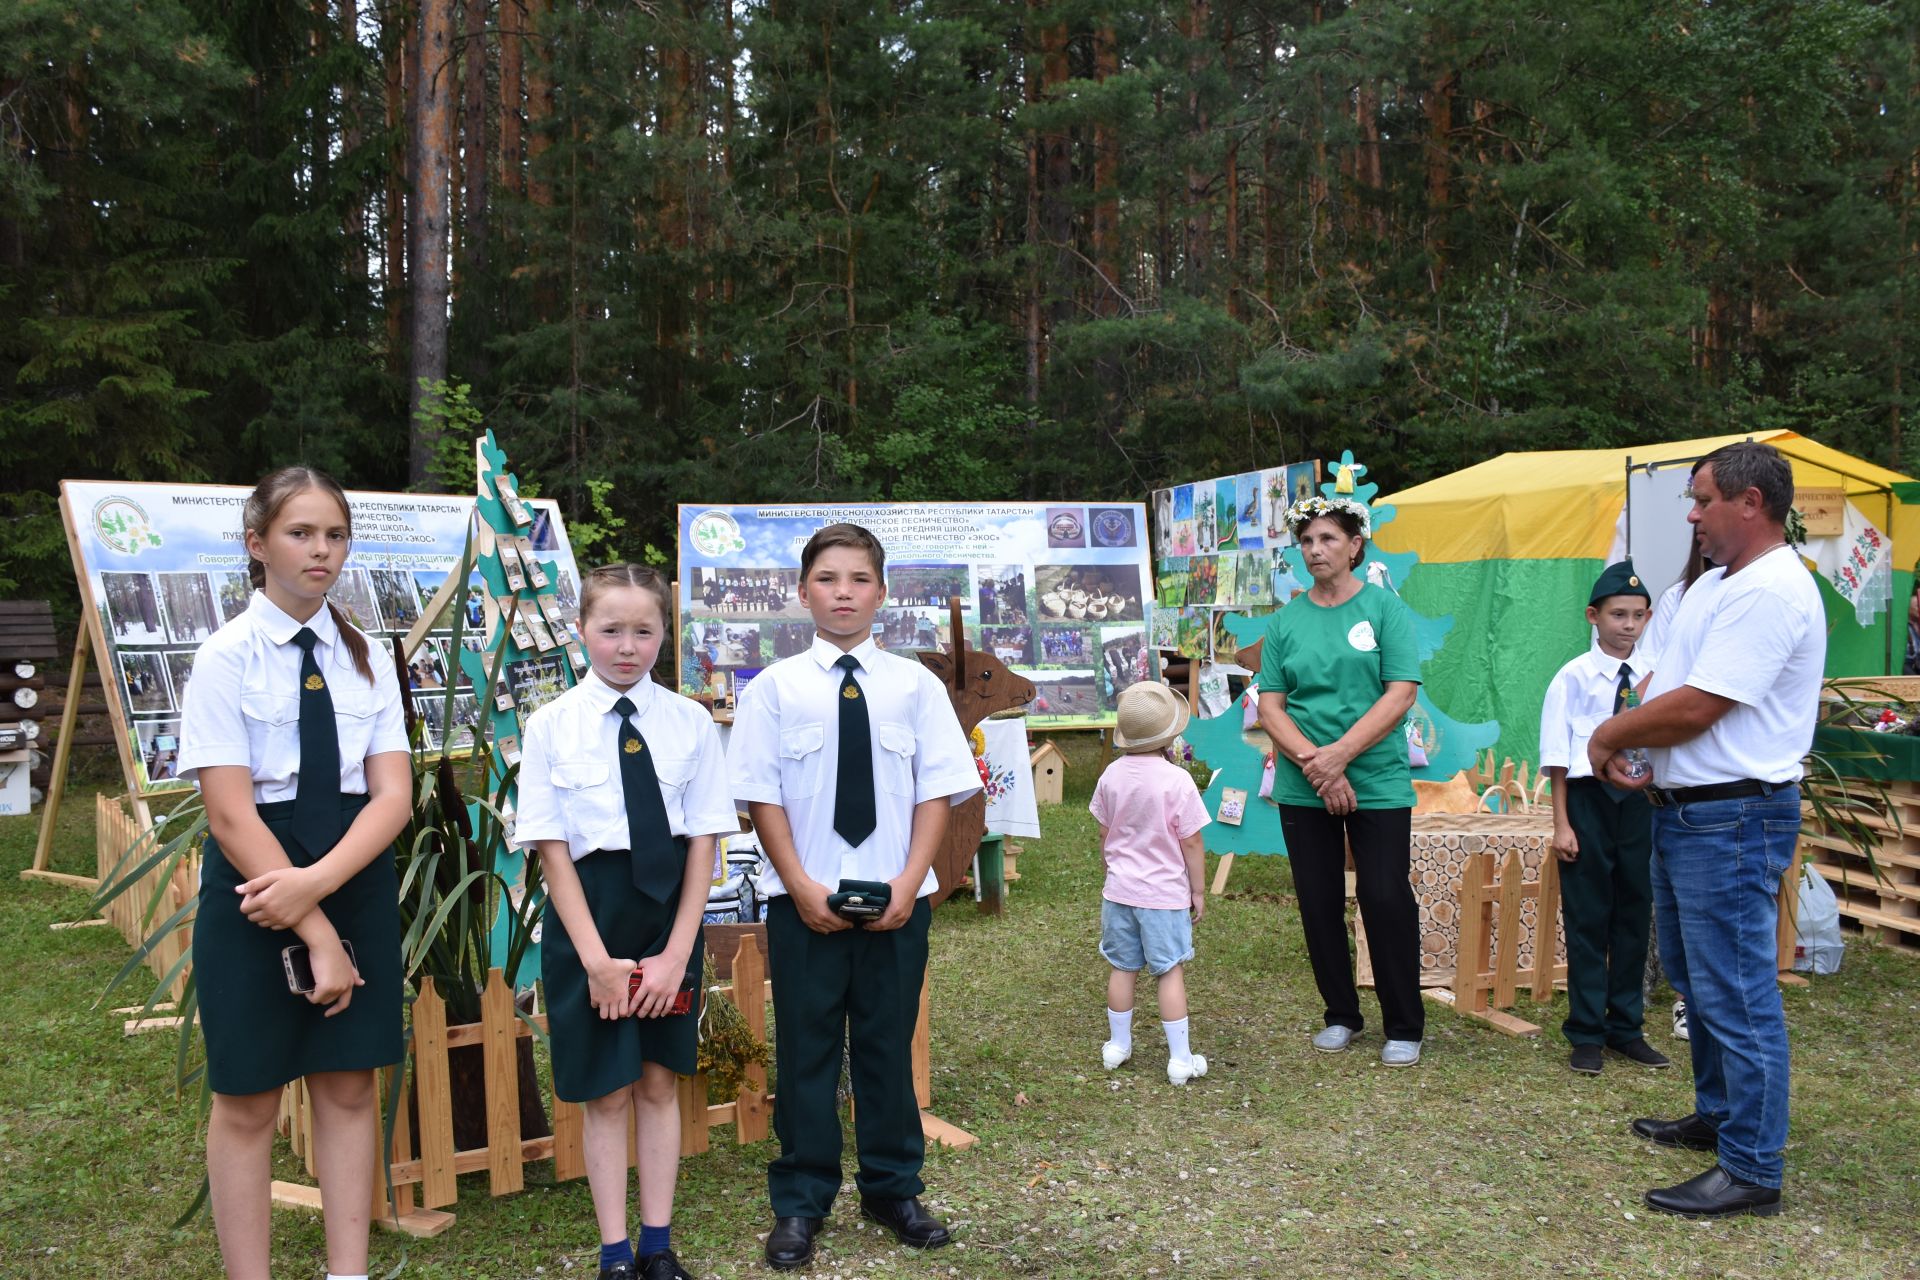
(122,524)
(1112,527)
(714,533)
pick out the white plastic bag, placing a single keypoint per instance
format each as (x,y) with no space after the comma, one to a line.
(1250,709)
(1214,698)
(1817,921)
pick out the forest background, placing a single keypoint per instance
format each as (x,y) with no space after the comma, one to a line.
(792,250)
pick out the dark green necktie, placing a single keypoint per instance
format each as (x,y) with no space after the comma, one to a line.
(316,802)
(658,866)
(1621,690)
(853,781)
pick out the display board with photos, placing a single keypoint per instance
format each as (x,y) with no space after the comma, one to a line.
(1219,546)
(1060,592)
(164,566)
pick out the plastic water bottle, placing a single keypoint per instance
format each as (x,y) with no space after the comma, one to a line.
(1639,764)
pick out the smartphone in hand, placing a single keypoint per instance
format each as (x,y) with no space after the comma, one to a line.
(298,963)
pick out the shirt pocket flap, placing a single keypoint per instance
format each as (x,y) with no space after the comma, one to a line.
(897,738)
(802,740)
(579,775)
(673,771)
(270,708)
(357,703)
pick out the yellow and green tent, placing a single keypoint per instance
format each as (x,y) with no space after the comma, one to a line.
(1511,547)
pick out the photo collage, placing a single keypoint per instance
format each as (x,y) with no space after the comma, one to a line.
(1220,546)
(159,600)
(156,622)
(1063,598)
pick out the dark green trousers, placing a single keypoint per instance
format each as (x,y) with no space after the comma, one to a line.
(859,990)
(1606,901)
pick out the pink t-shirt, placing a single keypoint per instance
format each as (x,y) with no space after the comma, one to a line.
(1148,806)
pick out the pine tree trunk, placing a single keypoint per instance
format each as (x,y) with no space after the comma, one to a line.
(1366,160)
(1439,174)
(397,38)
(539,74)
(1056,168)
(353,220)
(1231,175)
(427,229)
(1034,326)
(1106,173)
(1199,216)
(475,192)
(513,26)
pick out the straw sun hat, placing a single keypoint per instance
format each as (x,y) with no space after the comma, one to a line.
(1150,716)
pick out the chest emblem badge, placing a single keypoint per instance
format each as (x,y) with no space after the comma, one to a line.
(632,746)
(849,692)
(315,682)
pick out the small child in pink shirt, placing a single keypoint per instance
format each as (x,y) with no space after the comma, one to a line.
(1150,817)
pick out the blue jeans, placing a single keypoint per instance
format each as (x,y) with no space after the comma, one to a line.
(1716,878)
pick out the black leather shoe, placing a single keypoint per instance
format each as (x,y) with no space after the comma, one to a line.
(1585,1059)
(662,1266)
(1690,1132)
(912,1225)
(1642,1054)
(618,1271)
(790,1243)
(1715,1194)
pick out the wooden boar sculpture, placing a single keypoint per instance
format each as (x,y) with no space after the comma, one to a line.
(979,685)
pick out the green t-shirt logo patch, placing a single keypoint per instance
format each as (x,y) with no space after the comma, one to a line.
(1360,636)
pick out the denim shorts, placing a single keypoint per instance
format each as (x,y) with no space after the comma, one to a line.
(1151,938)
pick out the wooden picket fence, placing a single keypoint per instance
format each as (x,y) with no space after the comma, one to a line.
(424,1167)
(117,830)
(1487,972)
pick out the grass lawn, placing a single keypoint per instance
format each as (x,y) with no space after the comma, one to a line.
(1488,1160)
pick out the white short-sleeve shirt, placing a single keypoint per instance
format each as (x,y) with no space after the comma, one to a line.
(785,750)
(570,768)
(1758,638)
(242,704)
(1578,698)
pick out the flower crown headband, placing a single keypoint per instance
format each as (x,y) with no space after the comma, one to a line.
(1307,510)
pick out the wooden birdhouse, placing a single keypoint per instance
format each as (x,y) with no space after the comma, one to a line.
(1049,773)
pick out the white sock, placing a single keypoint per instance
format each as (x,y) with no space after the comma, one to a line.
(1120,1028)
(1176,1039)
(331,1276)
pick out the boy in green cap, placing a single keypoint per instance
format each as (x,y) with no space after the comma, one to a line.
(1602,835)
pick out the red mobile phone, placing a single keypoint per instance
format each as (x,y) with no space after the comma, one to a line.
(682,1001)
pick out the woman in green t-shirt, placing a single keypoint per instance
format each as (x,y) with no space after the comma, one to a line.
(1338,672)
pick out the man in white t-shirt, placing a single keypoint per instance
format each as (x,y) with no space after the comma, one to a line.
(1729,716)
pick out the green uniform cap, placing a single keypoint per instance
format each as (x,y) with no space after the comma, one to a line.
(1619,580)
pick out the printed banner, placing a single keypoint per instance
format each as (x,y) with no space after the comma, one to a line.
(165,566)
(1060,592)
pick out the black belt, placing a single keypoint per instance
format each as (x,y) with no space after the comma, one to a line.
(1666,798)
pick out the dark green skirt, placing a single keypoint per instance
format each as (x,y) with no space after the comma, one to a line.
(594,1056)
(259,1034)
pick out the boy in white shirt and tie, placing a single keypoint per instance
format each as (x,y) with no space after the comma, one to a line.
(848,759)
(1602,834)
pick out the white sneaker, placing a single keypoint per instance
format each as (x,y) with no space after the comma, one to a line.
(1113,1053)
(1181,1070)
(1400,1053)
(1333,1039)
(1680,1019)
